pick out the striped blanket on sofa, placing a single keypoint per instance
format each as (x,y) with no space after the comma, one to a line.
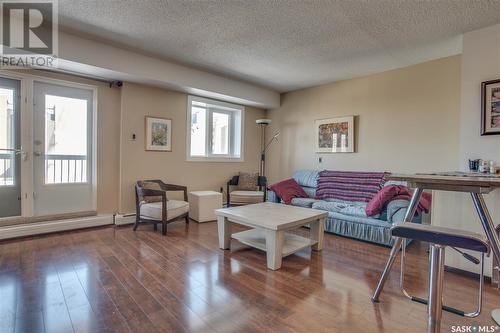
(349,186)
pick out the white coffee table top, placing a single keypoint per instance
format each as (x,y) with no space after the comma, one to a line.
(268,215)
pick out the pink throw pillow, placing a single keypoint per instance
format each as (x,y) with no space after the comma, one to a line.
(377,203)
(288,189)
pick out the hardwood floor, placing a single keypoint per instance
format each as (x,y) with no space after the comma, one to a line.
(116,280)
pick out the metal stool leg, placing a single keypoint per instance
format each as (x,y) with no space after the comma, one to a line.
(388,266)
(410,213)
(450,309)
(436,274)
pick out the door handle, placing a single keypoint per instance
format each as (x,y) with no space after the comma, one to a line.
(16,151)
(37,153)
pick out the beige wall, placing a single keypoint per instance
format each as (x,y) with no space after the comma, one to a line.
(407,120)
(137,101)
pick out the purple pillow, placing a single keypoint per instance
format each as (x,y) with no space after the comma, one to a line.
(377,203)
(287,190)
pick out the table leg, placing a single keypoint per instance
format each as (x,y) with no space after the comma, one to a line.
(410,213)
(274,248)
(224,228)
(317,232)
(489,229)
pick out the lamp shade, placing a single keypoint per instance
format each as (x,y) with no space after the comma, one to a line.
(263,121)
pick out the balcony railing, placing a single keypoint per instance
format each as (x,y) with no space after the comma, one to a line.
(6,169)
(59,169)
(65,169)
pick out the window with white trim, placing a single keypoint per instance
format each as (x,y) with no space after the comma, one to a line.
(215,130)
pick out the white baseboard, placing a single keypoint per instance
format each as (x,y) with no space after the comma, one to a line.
(30,229)
(124,219)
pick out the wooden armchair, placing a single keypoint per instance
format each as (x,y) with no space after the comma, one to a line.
(245,197)
(152,205)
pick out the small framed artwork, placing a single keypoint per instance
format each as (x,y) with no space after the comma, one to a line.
(335,135)
(490,107)
(158,134)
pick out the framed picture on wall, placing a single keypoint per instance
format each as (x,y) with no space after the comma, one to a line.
(158,134)
(490,107)
(335,135)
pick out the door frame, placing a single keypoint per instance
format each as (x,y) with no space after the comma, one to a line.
(27,145)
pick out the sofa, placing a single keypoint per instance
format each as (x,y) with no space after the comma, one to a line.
(348,218)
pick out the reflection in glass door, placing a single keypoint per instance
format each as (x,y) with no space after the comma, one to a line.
(10,148)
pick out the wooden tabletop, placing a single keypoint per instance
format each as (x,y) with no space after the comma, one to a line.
(269,215)
(450,178)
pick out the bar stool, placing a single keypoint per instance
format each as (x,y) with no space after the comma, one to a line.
(439,238)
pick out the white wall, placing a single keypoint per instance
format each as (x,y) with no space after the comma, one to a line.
(480,62)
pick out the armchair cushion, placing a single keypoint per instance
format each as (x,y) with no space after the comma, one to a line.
(247,181)
(247,197)
(153,210)
(151,186)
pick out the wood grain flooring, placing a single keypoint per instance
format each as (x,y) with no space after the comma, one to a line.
(116,280)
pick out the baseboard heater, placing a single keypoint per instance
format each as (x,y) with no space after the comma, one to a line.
(45,227)
(124,219)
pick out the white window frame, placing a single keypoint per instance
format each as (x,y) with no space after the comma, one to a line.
(223,108)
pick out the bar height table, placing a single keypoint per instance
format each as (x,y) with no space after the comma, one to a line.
(475,184)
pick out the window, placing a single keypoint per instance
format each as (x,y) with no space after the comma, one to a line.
(65,140)
(215,130)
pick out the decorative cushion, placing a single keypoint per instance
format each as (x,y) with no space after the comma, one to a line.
(153,210)
(151,186)
(307,178)
(378,202)
(349,186)
(288,189)
(247,181)
(247,197)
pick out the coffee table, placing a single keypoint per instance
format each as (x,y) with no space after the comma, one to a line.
(269,222)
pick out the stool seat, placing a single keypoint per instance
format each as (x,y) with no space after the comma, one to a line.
(442,236)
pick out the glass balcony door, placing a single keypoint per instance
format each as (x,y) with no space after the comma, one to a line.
(10,148)
(62,149)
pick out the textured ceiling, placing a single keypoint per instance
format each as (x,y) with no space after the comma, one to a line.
(284,45)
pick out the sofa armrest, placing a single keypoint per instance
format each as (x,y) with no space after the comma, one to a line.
(273,197)
(396,211)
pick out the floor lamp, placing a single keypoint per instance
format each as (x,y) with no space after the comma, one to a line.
(263,145)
